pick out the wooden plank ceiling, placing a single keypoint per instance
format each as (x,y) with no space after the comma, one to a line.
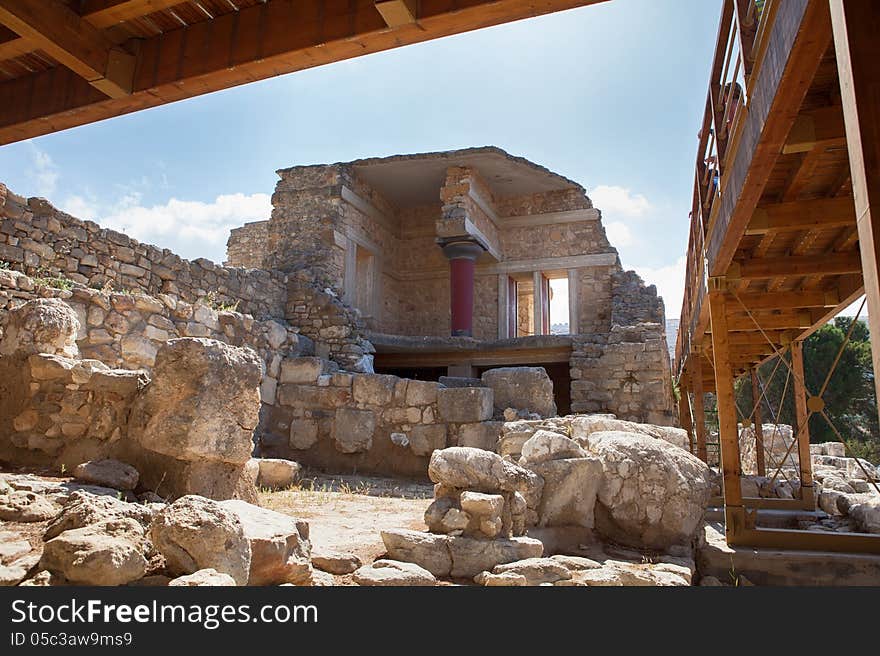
(69,62)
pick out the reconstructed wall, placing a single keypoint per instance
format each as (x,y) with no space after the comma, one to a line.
(247,244)
(371,422)
(633,302)
(625,372)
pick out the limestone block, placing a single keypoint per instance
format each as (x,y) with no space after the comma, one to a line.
(202,404)
(107,472)
(204,577)
(302,371)
(523,388)
(480,435)
(107,553)
(423,440)
(303,433)
(653,494)
(195,533)
(353,430)
(464,405)
(470,556)
(546,445)
(374,389)
(42,325)
(421,392)
(279,544)
(393,573)
(570,490)
(427,550)
(277,473)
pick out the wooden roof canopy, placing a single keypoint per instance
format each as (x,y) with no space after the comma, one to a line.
(69,62)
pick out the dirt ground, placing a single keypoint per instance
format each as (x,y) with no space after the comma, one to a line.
(346,513)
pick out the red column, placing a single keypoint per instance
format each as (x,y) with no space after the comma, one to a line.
(462,258)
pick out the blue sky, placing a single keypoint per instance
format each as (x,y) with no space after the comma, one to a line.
(610,96)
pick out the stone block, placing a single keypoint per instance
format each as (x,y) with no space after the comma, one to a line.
(353,430)
(480,435)
(301,371)
(425,439)
(465,405)
(374,389)
(303,433)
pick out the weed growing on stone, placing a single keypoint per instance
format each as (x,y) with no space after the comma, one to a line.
(46,278)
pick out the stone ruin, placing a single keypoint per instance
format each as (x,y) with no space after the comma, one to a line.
(155,381)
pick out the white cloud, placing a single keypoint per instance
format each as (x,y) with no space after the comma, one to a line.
(43,172)
(191,229)
(670,284)
(616,201)
(618,234)
(80,207)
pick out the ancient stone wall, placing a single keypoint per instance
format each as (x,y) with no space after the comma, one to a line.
(132,296)
(60,410)
(370,422)
(625,372)
(335,328)
(633,302)
(246,246)
(42,241)
(126,330)
(595,293)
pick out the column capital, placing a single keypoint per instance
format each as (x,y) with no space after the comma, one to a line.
(462,250)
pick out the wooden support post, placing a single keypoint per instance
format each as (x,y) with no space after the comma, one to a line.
(759,427)
(684,413)
(855,24)
(699,410)
(728,435)
(802,419)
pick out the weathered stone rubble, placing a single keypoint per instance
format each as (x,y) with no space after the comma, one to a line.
(194,422)
(631,488)
(101,540)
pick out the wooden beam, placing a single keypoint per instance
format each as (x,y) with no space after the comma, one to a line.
(803,265)
(757,402)
(60,32)
(100,14)
(856,24)
(699,410)
(803,215)
(106,13)
(783,320)
(819,128)
(776,336)
(684,414)
(786,300)
(803,174)
(260,41)
(13,47)
(397,12)
(802,419)
(728,434)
